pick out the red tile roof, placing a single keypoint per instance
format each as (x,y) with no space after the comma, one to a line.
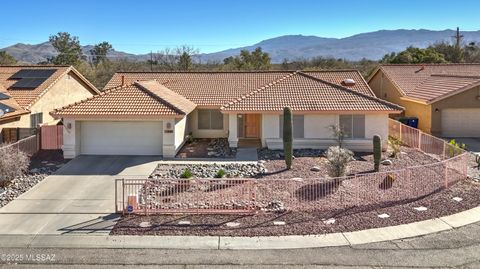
(203,88)
(338,76)
(218,88)
(303,92)
(176,94)
(130,100)
(432,82)
(177,101)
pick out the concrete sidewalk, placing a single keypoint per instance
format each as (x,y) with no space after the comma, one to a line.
(87,240)
(455,248)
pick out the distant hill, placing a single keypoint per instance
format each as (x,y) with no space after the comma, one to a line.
(41,52)
(372,45)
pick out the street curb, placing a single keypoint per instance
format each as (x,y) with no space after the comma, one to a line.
(397,232)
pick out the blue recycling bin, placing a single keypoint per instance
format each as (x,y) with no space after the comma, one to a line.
(409,121)
(412,122)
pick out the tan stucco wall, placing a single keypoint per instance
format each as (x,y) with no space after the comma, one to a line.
(67,90)
(383,88)
(467,99)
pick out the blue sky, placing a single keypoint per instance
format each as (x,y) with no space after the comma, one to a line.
(141,26)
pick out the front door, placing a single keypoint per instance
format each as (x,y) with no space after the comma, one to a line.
(252,125)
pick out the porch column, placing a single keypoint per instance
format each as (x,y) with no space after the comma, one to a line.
(71,138)
(232,130)
(169,138)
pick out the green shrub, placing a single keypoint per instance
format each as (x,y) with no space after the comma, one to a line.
(377,152)
(220,173)
(288,136)
(186,173)
(395,145)
(455,148)
(338,159)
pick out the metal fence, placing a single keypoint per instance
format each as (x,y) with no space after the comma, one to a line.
(145,196)
(29,145)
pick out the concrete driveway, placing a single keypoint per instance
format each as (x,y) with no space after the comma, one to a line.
(78,198)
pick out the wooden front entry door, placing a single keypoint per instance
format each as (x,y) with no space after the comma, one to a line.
(252,125)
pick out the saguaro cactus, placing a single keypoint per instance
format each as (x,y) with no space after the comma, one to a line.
(377,151)
(288,136)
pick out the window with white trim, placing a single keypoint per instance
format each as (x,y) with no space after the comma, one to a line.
(210,119)
(298,126)
(353,126)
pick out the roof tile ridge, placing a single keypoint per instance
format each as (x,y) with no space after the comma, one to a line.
(102,93)
(145,89)
(402,92)
(374,98)
(259,89)
(454,75)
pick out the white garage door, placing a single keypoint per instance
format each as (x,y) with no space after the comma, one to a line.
(121,137)
(461,122)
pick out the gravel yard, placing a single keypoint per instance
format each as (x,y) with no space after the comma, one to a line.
(312,222)
(207,148)
(44,163)
(307,160)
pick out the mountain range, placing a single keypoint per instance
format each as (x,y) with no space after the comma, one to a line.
(371,45)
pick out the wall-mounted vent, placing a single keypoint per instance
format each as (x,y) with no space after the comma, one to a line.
(348,82)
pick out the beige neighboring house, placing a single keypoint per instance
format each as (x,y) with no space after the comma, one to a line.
(444,97)
(142,113)
(29,93)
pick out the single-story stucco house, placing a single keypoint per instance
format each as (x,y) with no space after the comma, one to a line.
(444,97)
(152,113)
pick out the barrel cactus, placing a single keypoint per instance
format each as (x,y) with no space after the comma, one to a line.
(288,136)
(377,151)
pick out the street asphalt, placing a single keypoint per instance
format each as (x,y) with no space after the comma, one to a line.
(458,248)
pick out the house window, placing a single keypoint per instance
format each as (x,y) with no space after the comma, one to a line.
(298,126)
(210,119)
(353,125)
(36,119)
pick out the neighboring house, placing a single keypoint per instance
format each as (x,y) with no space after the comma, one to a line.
(444,97)
(152,113)
(29,93)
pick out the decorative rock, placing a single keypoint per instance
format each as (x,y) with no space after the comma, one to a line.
(184,223)
(145,224)
(297,179)
(279,223)
(457,199)
(232,224)
(329,221)
(384,216)
(420,208)
(275,206)
(315,169)
(386,162)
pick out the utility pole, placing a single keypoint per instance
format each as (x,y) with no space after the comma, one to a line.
(458,38)
(151,61)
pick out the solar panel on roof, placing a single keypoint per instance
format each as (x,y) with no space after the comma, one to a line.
(33,73)
(28,83)
(6,108)
(4,96)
